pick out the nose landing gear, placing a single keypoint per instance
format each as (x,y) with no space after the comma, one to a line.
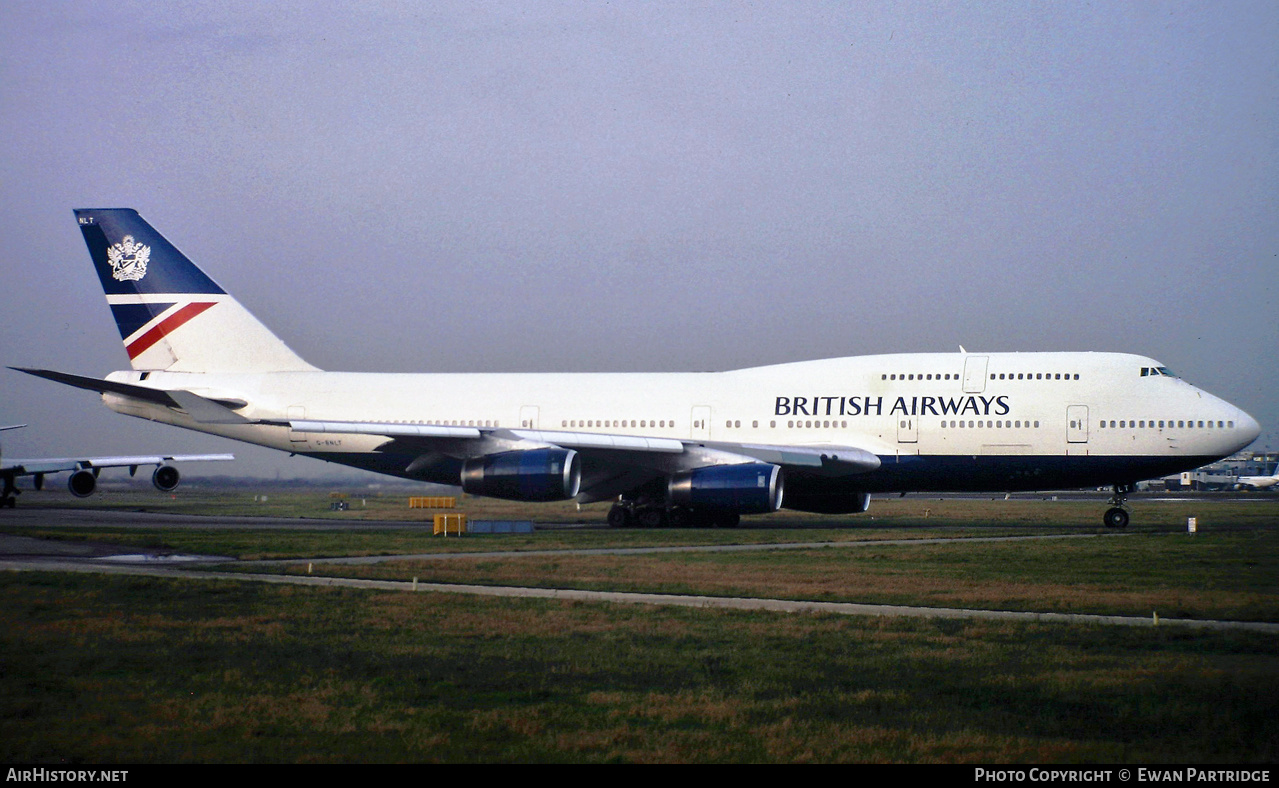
(1117,516)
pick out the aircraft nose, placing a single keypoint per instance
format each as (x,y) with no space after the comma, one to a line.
(1249,427)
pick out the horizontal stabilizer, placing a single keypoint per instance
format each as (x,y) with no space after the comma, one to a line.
(202,409)
(103,386)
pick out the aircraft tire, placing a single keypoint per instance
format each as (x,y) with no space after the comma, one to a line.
(1116,518)
(619,517)
(652,518)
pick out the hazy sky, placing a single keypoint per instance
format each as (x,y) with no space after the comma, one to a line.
(639,186)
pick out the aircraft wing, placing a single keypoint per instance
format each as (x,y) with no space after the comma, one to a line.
(56,464)
(84,471)
(611,463)
(834,460)
(13,468)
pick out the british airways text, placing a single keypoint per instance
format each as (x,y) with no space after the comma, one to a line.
(875,406)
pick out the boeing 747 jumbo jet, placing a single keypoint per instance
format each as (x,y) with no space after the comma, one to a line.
(84,471)
(670,448)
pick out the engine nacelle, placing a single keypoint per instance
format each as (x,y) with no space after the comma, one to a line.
(529,475)
(750,488)
(82,483)
(166,478)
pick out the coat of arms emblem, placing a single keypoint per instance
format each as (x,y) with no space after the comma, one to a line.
(128,260)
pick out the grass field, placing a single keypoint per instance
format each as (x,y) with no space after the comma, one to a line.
(98,669)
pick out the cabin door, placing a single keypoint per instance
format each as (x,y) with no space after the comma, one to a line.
(700,421)
(1077,424)
(975,374)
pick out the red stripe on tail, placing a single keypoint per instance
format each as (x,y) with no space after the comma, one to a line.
(166,327)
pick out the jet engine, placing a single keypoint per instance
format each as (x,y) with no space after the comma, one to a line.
(529,475)
(165,478)
(749,488)
(82,483)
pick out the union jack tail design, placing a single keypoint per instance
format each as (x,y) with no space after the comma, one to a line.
(171,315)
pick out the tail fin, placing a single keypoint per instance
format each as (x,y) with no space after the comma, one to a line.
(2,429)
(171,315)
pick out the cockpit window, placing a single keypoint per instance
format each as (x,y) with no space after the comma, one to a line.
(1148,371)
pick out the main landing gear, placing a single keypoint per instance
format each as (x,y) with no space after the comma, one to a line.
(1117,516)
(630,514)
(9,495)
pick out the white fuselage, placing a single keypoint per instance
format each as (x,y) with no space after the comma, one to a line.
(1258,482)
(937,421)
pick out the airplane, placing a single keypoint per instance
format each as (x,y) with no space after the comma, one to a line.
(84,471)
(1257,482)
(681,449)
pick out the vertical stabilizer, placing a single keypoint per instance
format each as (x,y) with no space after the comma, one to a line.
(12,427)
(171,315)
